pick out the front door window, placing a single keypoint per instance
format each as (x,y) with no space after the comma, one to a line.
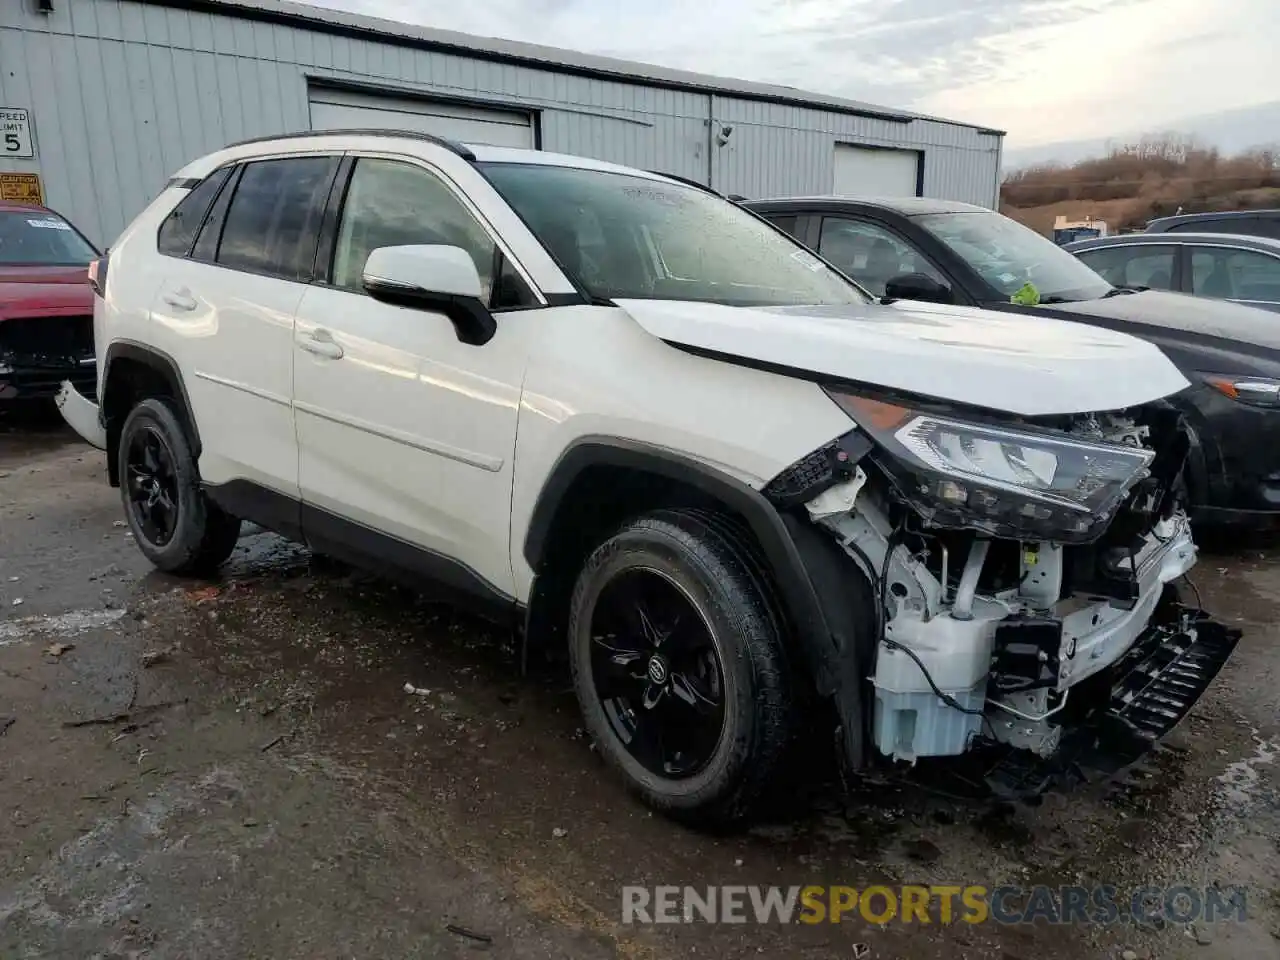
(871,254)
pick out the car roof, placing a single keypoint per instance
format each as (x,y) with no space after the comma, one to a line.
(1164,223)
(1248,241)
(486,154)
(12,206)
(907,206)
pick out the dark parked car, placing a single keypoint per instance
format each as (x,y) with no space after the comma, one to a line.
(944,252)
(46,304)
(1256,223)
(1219,265)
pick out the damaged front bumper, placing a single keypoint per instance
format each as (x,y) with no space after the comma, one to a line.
(1034,669)
(1140,699)
(39,378)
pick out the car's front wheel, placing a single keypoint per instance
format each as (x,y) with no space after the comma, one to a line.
(679,666)
(175,525)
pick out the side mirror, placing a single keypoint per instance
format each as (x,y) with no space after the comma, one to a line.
(432,277)
(917,286)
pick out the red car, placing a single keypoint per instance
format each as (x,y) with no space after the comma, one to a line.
(46,304)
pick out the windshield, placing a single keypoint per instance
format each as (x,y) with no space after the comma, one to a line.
(621,236)
(39,238)
(1008,255)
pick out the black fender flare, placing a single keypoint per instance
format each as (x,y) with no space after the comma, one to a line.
(803,609)
(167,368)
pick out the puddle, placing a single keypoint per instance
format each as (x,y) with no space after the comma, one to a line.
(1241,781)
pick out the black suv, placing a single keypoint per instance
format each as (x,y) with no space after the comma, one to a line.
(945,252)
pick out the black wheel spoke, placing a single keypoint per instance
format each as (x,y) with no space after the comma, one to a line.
(656,670)
(689,693)
(653,694)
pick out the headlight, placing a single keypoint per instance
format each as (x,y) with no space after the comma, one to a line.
(999,480)
(1255,391)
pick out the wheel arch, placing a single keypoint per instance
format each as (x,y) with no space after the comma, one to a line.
(659,475)
(131,372)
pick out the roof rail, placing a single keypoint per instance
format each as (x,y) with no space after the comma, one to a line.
(451,145)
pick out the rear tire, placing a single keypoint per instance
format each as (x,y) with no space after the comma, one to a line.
(680,667)
(174,524)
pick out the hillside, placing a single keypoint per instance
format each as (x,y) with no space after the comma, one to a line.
(1131,184)
(1231,131)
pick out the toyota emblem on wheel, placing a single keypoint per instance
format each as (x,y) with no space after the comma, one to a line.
(657,670)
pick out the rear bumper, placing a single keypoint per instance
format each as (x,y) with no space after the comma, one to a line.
(81,414)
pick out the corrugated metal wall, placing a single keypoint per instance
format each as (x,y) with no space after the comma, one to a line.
(122,94)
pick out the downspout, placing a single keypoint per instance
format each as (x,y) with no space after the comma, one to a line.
(999,161)
(711,139)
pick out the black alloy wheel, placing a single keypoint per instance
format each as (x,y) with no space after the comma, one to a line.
(173,521)
(152,485)
(680,666)
(657,671)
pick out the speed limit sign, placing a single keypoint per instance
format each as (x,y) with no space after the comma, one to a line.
(15,133)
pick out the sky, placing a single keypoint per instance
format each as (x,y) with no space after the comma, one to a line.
(1044,70)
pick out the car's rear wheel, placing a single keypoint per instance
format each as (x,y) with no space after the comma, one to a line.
(679,666)
(175,525)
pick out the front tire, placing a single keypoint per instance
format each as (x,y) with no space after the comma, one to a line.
(680,668)
(174,524)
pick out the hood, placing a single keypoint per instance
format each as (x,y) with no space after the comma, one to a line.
(1027,366)
(1184,313)
(31,291)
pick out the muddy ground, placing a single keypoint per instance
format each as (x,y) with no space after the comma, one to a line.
(234,769)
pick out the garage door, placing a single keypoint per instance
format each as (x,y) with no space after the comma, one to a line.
(874,172)
(341,110)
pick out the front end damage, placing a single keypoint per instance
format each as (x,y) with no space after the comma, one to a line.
(1022,579)
(38,353)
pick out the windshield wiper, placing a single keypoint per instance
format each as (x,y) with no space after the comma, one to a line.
(1055,299)
(1118,291)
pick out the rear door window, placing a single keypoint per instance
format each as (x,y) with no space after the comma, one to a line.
(178,230)
(1235,274)
(1133,266)
(785,222)
(273,222)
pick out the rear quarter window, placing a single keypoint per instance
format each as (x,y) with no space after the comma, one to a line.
(178,231)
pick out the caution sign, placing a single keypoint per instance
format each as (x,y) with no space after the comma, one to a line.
(21,187)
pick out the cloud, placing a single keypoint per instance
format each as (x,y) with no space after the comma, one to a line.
(989,61)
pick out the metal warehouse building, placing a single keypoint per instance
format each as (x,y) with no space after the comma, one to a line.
(102,100)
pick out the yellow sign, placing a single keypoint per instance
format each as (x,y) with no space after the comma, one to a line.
(22,187)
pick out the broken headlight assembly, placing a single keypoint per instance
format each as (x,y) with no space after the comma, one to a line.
(1004,481)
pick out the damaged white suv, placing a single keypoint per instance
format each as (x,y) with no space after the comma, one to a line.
(662,435)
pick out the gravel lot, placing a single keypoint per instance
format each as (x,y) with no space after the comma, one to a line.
(235,769)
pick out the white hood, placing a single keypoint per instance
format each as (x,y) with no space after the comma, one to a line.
(1024,365)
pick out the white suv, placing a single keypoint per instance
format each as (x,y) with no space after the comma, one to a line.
(663,435)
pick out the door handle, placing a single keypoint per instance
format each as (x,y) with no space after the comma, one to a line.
(321,343)
(180,300)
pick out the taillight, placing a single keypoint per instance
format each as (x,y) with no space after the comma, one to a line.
(98,275)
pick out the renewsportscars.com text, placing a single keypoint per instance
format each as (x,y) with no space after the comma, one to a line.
(938,904)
